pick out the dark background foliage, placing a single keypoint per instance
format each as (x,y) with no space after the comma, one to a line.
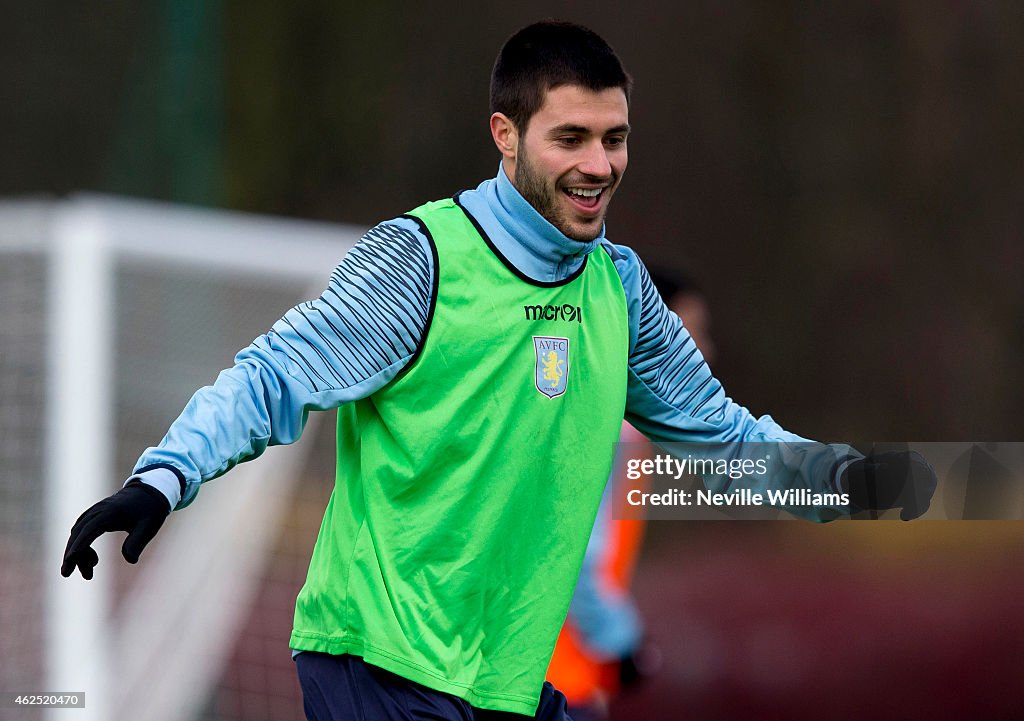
(845,179)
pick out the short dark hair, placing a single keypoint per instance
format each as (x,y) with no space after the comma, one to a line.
(546,55)
(671,283)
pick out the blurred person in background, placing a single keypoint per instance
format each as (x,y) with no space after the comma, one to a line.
(481,352)
(601,649)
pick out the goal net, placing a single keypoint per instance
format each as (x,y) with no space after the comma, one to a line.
(112,313)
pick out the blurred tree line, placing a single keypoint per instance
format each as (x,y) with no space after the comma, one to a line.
(846,179)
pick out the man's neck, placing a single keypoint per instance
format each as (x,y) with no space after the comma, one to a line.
(537,248)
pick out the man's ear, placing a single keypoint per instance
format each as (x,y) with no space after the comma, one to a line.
(506,136)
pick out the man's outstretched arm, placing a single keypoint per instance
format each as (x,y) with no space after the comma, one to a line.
(343,346)
(673,397)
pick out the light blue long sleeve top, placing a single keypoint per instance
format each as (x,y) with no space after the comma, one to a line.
(366,326)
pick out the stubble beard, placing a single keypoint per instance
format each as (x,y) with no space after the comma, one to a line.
(544,199)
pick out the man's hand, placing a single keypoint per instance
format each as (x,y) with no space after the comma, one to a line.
(640,664)
(895,479)
(137,508)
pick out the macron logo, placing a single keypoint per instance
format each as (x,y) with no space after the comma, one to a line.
(564,312)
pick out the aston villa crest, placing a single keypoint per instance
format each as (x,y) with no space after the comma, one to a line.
(551,372)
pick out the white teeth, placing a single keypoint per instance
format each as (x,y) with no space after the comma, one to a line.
(585,192)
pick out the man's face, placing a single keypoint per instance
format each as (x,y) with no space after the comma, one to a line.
(572,157)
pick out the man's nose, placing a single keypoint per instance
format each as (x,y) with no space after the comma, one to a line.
(595,161)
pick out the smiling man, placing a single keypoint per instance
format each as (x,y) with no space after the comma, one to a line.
(567,160)
(481,351)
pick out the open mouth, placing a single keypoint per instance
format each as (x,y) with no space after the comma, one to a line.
(584,198)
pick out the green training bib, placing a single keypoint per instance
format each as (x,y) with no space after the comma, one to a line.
(467,487)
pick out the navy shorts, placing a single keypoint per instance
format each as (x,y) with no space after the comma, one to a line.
(346,688)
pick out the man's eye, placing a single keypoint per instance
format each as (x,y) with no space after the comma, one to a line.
(615,140)
(569,140)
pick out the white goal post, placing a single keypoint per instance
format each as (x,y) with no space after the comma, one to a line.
(112,311)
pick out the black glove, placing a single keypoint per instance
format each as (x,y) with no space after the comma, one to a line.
(137,508)
(640,664)
(629,672)
(894,479)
